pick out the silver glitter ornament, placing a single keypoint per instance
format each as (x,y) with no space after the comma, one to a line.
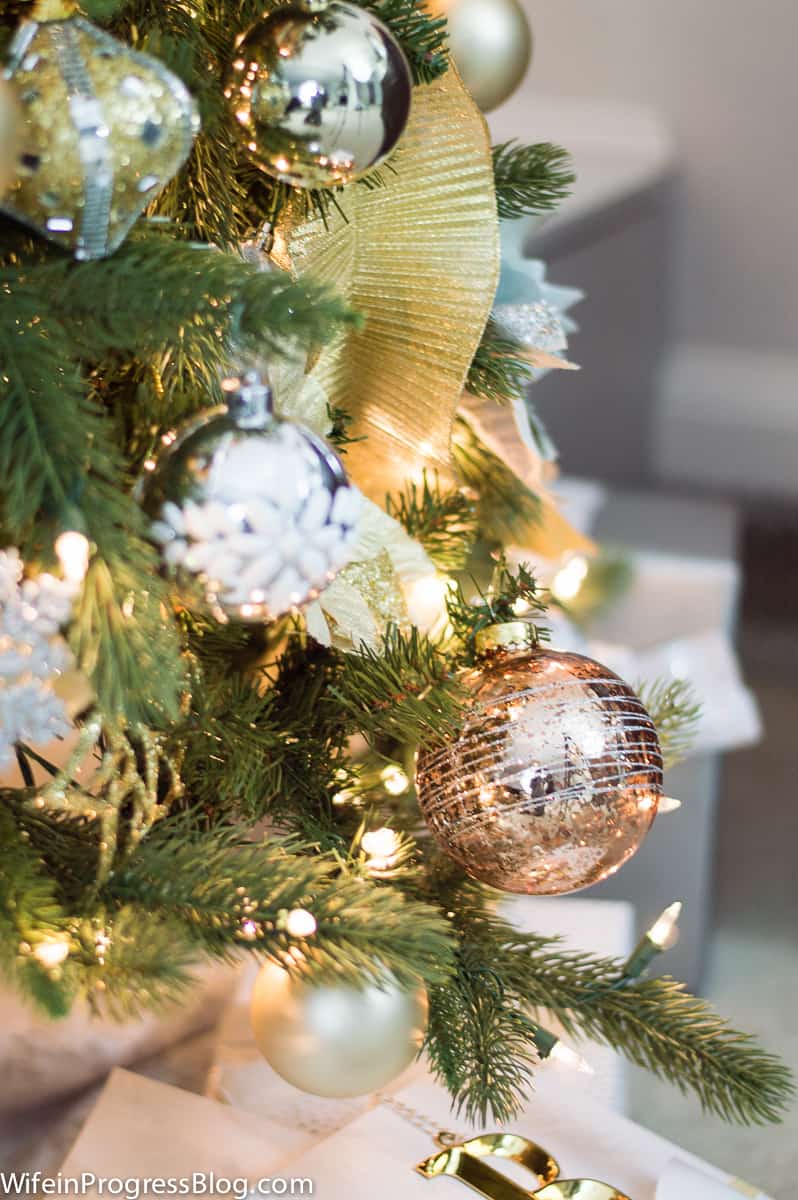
(104,128)
(324,96)
(556,776)
(257,508)
(336,1040)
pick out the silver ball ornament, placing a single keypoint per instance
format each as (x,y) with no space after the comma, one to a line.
(257,509)
(323,95)
(334,1040)
(491,43)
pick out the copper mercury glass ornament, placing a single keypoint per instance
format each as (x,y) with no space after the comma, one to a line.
(556,776)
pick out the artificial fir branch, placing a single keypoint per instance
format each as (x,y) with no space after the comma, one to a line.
(499,371)
(230,893)
(422,36)
(512,595)
(506,506)
(675,712)
(406,692)
(444,522)
(654,1022)
(530,179)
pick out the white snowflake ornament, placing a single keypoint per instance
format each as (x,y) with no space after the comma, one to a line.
(257,508)
(32,655)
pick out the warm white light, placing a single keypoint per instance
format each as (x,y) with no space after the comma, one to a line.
(668,805)
(249,930)
(72,549)
(663,932)
(395,782)
(521,607)
(566,583)
(380,843)
(300,923)
(426,601)
(569,1058)
(52,954)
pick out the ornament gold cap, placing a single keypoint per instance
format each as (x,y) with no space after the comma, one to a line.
(506,635)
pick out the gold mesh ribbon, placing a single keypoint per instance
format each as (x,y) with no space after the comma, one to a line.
(419,258)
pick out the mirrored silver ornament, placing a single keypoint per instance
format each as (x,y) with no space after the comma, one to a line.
(323,96)
(257,509)
(555,778)
(104,129)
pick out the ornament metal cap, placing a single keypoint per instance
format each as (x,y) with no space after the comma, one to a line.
(249,399)
(506,635)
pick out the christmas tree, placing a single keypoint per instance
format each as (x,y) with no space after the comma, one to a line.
(265,511)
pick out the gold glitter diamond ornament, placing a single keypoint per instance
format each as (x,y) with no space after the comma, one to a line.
(104,129)
(556,776)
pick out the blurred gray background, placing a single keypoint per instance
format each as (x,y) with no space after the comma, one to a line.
(680,117)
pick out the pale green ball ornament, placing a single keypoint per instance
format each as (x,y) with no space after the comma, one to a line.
(335,1040)
(491,44)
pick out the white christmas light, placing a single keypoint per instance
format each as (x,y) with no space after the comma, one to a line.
(380,843)
(300,923)
(664,931)
(569,1058)
(426,601)
(72,549)
(52,954)
(395,782)
(668,805)
(566,583)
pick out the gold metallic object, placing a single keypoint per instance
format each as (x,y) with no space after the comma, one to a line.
(506,635)
(10,126)
(323,93)
(419,258)
(104,129)
(463,1161)
(554,779)
(333,1039)
(491,42)
(579,1189)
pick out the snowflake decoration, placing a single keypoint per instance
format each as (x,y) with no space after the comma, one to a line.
(268,532)
(32,655)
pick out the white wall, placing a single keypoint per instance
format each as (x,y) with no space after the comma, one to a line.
(725,75)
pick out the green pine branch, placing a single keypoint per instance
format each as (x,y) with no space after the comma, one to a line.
(530,179)
(506,506)
(673,709)
(444,522)
(422,37)
(654,1022)
(511,596)
(499,371)
(229,894)
(405,692)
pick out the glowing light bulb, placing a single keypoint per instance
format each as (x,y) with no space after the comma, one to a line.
(566,583)
(668,805)
(395,782)
(380,843)
(300,923)
(52,954)
(663,933)
(569,1058)
(72,549)
(426,601)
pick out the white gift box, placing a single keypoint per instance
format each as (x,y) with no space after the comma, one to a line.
(146,1131)
(378,1152)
